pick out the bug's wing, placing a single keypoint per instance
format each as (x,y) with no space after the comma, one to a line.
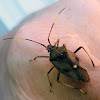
(78,74)
(80,71)
(73,57)
(71,74)
(82,74)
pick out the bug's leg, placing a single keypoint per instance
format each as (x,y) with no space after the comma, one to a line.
(39,57)
(87,54)
(58,77)
(57,43)
(69,85)
(48,77)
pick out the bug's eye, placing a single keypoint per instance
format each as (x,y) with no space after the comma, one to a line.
(77,58)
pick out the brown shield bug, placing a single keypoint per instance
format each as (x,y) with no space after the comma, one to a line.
(64,60)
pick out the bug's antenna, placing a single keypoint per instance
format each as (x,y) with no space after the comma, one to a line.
(26,39)
(53,25)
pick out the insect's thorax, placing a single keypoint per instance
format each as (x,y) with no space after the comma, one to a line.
(58,53)
(63,55)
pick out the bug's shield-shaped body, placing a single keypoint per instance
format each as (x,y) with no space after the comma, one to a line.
(68,63)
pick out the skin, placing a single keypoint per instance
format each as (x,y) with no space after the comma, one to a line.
(78,25)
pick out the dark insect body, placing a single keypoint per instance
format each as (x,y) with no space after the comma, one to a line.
(64,60)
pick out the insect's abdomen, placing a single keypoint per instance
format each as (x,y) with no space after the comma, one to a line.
(82,75)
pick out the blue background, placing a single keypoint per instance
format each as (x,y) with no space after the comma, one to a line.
(13,11)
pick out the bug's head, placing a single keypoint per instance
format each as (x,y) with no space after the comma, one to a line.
(50,48)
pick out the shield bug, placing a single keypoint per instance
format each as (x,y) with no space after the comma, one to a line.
(64,60)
